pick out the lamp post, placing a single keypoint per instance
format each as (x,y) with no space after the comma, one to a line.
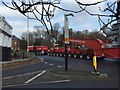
(27,35)
(66,38)
(27,30)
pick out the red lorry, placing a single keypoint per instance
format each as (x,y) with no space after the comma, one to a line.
(38,50)
(96,47)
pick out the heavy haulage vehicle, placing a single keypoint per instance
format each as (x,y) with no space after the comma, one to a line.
(87,48)
(38,50)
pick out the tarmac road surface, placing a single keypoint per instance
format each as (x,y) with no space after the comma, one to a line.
(108,67)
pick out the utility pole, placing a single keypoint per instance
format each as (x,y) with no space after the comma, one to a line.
(27,31)
(66,38)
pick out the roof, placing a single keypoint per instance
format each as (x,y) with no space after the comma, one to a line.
(15,38)
(3,18)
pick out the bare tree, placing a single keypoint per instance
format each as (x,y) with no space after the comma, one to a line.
(44,11)
(39,32)
(40,10)
(112,12)
(56,28)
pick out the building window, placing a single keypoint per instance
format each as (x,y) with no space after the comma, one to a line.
(4,24)
(18,48)
(15,43)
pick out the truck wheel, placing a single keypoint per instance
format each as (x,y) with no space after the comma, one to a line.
(57,54)
(53,54)
(48,54)
(88,57)
(75,56)
(69,55)
(61,54)
(81,56)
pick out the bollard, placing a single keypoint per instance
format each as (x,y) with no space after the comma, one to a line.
(95,66)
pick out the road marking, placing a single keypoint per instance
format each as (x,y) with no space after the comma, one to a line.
(21,75)
(46,62)
(35,77)
(58,81)
(59,66)
(51,64)
(41,59)
(9,77)
(8,86)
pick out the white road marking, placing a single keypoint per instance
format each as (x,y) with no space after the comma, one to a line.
(59,66)
(9,77)
(8,86)
(35,77)
(21,75)
(58,81)
(51,64)
(41,59)
(46,62)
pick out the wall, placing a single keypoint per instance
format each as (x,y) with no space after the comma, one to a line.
(5,39)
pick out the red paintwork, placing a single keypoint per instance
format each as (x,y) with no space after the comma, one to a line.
(44,47)
(38,48)
(30,48)
(112,52)
(95,44)
(98,47)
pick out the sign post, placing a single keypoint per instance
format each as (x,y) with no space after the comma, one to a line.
(66,38)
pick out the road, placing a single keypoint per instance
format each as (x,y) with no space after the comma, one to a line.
(34,67)
(18,76)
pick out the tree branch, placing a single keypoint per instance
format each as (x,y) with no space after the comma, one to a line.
(91,4)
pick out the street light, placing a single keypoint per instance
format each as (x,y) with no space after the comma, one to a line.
(66,39)
(27,34)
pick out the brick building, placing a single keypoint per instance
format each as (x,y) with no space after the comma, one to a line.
(15,43)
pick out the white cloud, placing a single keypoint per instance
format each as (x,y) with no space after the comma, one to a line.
(79,22)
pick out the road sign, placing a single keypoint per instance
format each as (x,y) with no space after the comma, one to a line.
(66,40)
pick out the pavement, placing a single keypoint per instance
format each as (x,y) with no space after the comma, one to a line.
(18,59)
(14,60)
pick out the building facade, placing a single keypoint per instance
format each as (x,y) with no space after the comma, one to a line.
(15,43)
(5,39)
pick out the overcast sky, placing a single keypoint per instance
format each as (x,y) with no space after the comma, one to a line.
(80,22)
